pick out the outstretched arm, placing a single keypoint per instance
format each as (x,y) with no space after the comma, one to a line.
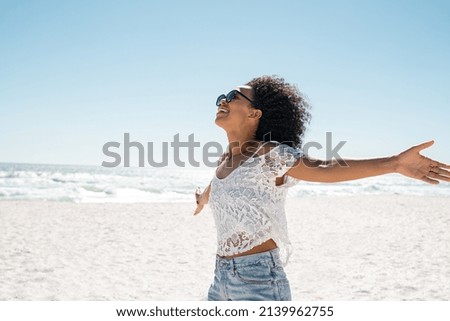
(409,163)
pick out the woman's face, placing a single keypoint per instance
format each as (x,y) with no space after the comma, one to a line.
(238,113)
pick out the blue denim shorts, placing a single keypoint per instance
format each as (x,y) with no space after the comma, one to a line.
(255,277)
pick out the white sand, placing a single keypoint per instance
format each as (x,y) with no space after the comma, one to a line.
(345,248)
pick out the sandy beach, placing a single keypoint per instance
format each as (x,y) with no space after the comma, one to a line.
(345,248)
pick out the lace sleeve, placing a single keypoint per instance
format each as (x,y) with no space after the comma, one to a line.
(280,159)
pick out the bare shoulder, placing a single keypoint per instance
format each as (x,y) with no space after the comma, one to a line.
(221,159)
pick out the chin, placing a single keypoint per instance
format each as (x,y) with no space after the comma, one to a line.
(222,123)
(219,121)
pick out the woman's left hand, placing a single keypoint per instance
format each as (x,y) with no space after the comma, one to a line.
(410,163)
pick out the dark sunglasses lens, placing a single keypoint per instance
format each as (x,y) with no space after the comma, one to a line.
(219,99)
(231,95)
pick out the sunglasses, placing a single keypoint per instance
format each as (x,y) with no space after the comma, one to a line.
(230,96)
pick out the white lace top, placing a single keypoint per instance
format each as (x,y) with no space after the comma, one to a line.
(248,207)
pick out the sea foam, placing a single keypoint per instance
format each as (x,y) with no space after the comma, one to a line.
(95,184)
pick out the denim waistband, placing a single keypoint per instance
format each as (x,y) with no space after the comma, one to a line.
(271,257)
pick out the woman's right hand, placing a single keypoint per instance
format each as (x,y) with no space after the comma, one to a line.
(201,199)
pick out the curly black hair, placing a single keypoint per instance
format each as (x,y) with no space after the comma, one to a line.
(285,111)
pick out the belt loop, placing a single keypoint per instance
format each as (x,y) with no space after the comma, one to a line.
(233,267)
(273,258)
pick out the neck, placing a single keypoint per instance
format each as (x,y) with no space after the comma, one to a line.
(241,144)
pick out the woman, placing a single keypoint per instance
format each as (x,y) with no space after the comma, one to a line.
(265,122)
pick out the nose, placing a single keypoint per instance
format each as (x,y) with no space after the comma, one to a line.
(223,102)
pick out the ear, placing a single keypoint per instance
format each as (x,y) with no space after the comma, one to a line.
(256,114)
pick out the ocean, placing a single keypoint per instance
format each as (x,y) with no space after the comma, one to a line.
(97,184)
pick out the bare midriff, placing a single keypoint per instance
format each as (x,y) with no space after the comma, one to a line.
(266,246)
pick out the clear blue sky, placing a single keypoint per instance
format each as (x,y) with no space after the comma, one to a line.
(77,74)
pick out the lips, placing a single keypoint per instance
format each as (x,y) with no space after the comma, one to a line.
(223,110)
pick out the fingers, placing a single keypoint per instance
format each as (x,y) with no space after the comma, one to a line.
(438,164)
(440,171)
(198,209)
(440,176)
(197,194)
(429,180)
(423,145)
(435,164)
(435,175)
